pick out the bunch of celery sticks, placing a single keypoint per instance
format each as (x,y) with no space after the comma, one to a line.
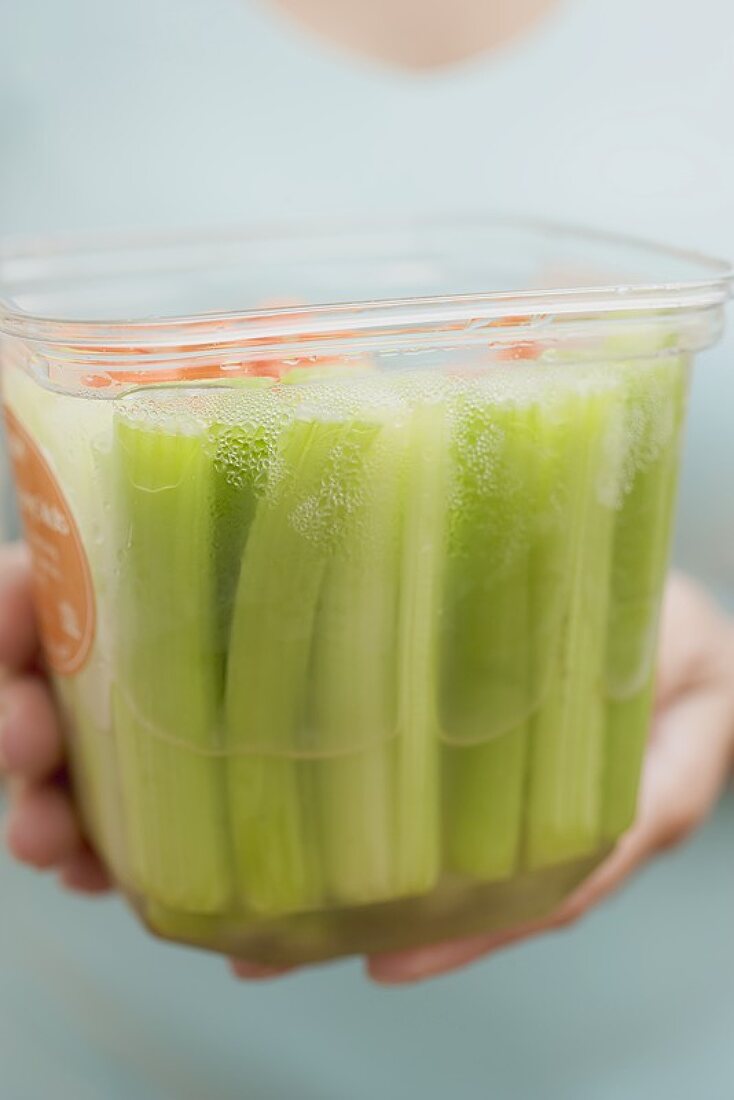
(376,632)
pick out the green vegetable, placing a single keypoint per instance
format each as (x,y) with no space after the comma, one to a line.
(564,796)
(655,395)
(365,635)
(272,774)
(242,457)
(508,585)
(166,697)
(486,688)
(627,725)
(353,685)
(418,847)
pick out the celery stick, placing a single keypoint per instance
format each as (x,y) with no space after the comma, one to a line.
(505,602)
(423,561)
(564,800)
(166,697)
(357,814)
(353,688)
(242,457)
(485,634)
(482,805)
(628,721)
(552,549)
(486,689)
(654,406)
(271,792)
(654,410)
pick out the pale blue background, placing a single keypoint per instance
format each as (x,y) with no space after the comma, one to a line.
(635,1004)
(167,112)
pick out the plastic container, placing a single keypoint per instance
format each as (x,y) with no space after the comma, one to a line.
(8,523)
(352,608)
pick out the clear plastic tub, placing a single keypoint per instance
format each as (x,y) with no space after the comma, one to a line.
(349,548)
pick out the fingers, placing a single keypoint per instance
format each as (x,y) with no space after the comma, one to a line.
(42,829)
(250,971)
(688,765)
(696,641)
(31,745)
(686,770)
(406,967)
(84,873)
(18,633)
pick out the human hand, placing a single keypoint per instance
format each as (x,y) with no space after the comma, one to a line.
(42,827)
(690,755)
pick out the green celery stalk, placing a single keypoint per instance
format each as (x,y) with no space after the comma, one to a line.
(564,799)
(242,453)
(628,723)
(505,599)
(654,411)
(353,690)
(485,634)
(272,774)
(552,550)
(486,687)
(483,787)
(242,456)
(167,666)
(424,545)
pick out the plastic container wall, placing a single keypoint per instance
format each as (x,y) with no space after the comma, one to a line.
(352,608)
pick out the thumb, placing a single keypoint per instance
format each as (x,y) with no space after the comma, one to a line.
(697,642)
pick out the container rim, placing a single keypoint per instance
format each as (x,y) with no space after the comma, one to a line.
(710,284)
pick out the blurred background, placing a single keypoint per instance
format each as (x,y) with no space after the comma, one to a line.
(135,114)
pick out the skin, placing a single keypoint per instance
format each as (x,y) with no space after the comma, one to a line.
(419,34)
(690,757)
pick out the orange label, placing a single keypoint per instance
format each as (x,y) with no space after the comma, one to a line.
(62,585)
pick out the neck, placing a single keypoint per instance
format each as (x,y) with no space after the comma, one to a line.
(420,34)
